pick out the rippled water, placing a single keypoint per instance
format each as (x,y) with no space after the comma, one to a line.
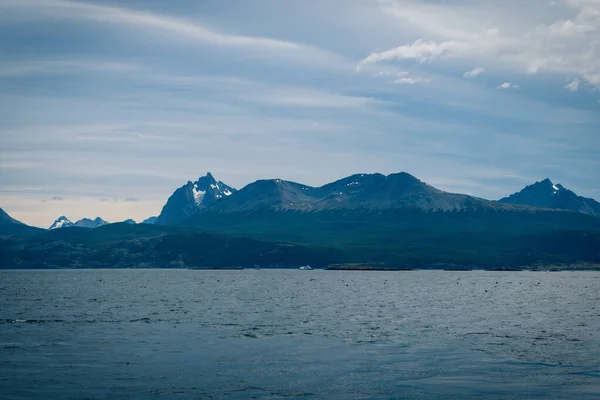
(124,334)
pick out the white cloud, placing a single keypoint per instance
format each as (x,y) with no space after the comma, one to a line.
(525,37)
(411,81)
(474,72)
(570,28)
(573,86)
(302,97)
(423,51)
(508,85)
(593,79)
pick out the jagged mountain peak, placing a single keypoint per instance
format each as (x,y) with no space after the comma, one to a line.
(548,185)
(61,222)
(193,197)
(547,194)
(90,223)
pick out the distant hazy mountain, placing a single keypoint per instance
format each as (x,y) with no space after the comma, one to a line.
(61,222)
(10,226)
(549,195)
(361,191)
(149,220)
(193,197)
(129,221)
(89,223)
(396,220)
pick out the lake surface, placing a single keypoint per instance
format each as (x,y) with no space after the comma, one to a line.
(168,334)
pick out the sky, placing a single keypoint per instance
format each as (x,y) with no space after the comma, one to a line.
(106,107)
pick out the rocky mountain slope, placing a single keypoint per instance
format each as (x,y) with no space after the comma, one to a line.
(192,198)
(549,195)
(10,226)
(361,191)
(61,222)
(90,223)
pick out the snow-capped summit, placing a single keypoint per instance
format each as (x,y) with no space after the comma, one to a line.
(89,223)
(61,222)
(547,194)
(192,197)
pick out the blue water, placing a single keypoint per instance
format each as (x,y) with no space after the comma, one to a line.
(168,334)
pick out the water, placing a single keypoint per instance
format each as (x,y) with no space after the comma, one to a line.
(146,334)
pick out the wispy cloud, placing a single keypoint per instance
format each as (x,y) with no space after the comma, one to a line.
(131,199)
(311,98)
(474,72)
(421,50)
(56,198)
(63,67)
(154,23)
(411,81)
(508,85)
(573,86)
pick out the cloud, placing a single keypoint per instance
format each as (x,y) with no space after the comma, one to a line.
(56,198)
(155,23)
(508,85)
(525,39)
(63,67)
(131,199)
(421,50)
(570,28)
(593,79)
(573,86)
(474,72)
(303,97)
(411,81)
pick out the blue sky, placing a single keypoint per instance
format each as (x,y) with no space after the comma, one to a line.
(106,107)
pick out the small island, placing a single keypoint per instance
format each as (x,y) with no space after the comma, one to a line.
(363,267)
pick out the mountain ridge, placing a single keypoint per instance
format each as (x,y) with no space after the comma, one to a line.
(11,226)
(368,218)
(89,223)
(367,191)
(546,194)
(192,197)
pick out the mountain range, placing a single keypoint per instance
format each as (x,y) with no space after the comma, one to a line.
(64,222)
(361,191)
(395,219)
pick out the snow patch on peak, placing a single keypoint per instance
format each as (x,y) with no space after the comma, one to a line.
(556,188)
(61,222)
(226,192)
(198,194)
